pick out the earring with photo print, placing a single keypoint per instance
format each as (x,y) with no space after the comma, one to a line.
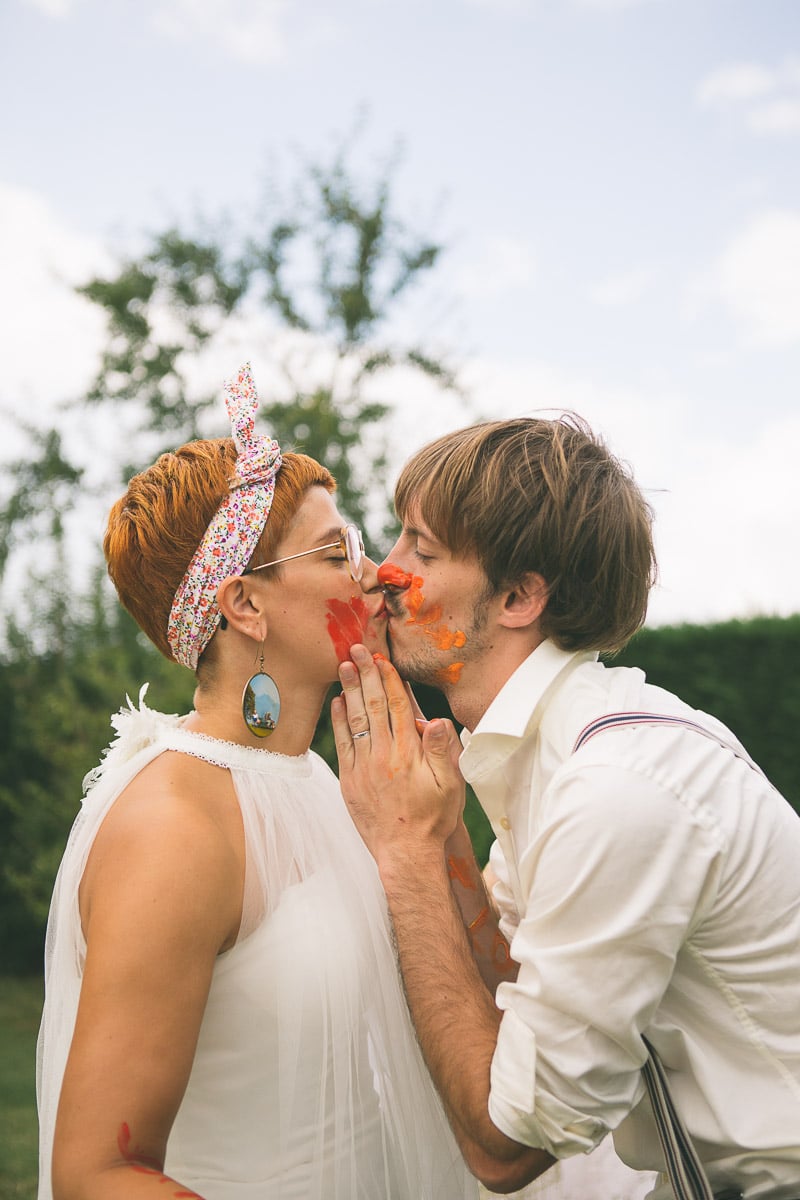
(261,701)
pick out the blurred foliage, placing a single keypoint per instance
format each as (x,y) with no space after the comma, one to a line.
(316,282)
(316,285)
(743,672)
(20,1010)
(56,706)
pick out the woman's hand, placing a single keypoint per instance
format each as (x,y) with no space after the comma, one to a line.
(402,786)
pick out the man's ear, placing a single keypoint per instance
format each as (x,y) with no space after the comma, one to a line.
(238,602)
(525,602)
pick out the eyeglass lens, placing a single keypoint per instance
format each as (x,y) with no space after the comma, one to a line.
(354,552)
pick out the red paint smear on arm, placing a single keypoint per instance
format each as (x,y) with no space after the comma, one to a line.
(347,624)
(145,1165)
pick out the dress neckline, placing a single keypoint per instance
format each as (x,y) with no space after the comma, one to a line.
(222,753)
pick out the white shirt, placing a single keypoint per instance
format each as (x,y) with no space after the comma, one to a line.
(650,884)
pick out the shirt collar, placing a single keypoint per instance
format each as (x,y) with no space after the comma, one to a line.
(513,707)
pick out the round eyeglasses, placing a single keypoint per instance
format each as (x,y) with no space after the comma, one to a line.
(350,542)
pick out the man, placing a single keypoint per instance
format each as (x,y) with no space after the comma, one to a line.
(648,875)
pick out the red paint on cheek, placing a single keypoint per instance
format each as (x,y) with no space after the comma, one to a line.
(347,624)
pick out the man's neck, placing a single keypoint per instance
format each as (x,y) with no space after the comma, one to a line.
(483,680)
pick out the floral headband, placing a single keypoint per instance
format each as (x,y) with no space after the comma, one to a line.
(235,527)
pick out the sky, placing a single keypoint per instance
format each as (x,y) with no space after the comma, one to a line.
(616,183)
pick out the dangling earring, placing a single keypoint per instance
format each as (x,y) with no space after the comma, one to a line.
(261,702)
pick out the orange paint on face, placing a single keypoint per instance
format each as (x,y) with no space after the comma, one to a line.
(446,639)
(450,674)
(347,624)
(391,576)
(430,622)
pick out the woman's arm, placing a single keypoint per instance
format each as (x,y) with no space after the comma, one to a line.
(160,898)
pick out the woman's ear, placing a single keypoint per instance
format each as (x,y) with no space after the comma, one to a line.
(239,602)
(525,602)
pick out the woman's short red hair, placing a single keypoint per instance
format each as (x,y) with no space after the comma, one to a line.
(155,528)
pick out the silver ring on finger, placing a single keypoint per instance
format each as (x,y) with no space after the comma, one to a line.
(356,736)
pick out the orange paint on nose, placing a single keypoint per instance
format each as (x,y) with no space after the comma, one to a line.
(347,624)
(391,576)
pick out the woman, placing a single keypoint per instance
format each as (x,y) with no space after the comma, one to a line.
(223,1013)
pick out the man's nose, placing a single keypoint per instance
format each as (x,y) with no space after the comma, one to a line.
(392,576)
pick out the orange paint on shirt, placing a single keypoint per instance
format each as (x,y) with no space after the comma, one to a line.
(347,624)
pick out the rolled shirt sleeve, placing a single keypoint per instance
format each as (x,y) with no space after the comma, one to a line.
(617,873)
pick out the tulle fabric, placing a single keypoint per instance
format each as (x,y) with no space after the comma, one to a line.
(307,1080)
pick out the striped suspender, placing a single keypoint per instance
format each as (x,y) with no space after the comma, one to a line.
(686,1173)
(614,720)
(684,1168)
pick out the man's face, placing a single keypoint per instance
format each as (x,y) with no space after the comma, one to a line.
(437,606)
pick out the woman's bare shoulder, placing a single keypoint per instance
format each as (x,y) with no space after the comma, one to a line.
(178,819)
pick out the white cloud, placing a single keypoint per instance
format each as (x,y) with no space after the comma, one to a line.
(766,98)
(726,533)
(740,81)
(727,509)
(778,117)
(249,30)
(52,337)
(501,264)
(757,278)
(52,8)
(611,5)
(616,291)
(524,6)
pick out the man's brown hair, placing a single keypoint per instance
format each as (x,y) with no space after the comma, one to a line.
(155,528)
(546,496)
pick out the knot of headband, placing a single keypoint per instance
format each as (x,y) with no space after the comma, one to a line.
(234,530)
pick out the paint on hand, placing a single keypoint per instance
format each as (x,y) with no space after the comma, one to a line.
(459,869)
(347,624)
(145,1165)
(430,622)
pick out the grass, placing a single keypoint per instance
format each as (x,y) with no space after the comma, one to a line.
(20,1009)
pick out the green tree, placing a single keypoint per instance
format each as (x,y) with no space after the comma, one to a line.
(316,283)
(329,268)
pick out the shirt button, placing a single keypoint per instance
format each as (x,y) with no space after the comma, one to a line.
(505,823)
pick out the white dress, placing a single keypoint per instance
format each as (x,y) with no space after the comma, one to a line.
(307,1081)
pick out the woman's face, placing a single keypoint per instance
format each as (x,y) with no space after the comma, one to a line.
(316,611)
